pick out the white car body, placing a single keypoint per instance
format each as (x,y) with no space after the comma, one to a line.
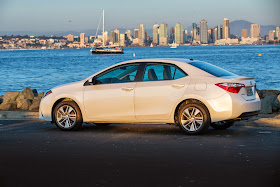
(155,101)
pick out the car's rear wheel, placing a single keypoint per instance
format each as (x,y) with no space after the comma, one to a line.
(221,125)
(67,116)
(102,124)
(193,118)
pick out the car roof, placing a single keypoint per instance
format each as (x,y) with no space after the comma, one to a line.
(166,60)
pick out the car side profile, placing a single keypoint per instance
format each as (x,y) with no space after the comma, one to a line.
(189,93)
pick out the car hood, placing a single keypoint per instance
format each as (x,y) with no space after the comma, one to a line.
(68,86)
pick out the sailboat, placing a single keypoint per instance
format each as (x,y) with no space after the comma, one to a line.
(105,49)
(173,45)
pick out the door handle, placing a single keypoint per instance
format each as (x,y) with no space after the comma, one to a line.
(127,89)
(178,85)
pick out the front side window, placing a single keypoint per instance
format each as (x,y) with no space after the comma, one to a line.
(158,72)
(122,74)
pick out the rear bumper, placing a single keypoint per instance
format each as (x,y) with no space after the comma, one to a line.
(248,115)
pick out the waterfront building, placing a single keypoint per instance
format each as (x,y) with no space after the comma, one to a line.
(195,34)
(117,35)
(244,33)
(277,33)
(141,35)
(212,35)
(271,35)
(105,37)
(163,34)
(112,37)
(82,38)
(219,32)
(255,31)
(86,39)
(136,33)
(248,41)
(226,29)
(128,34)
(70,38)
(156,34)
(227,41)
(172,33)
(122,40)
(178,33)
(216,34)
(203,32)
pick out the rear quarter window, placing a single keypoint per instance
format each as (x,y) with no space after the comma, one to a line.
(213,70)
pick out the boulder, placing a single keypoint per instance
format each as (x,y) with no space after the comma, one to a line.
(35,105)
(35,92)
(41,94)
(267,104)
(1,100)
(8,106)
(23,104)
(265,93)
(27,93)
(10,97)
(276,103)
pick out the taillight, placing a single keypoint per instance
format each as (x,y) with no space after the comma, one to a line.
(231,87)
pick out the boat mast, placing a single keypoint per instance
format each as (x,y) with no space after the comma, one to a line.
(103,30)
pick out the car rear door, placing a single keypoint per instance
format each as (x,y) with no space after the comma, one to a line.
(161,87)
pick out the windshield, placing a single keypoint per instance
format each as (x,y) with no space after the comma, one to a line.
(213,70)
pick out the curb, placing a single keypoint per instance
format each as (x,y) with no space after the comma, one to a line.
(19,115)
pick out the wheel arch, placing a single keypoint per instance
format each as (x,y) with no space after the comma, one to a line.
(61,100)
(189,100)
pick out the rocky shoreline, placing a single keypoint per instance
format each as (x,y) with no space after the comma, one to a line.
(29,100)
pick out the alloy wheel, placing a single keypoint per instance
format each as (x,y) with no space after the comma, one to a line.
(192,119)
(66,116)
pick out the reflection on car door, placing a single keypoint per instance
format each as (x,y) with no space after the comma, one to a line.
(161,88)
(112,98)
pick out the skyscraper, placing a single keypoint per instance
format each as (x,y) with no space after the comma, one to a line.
(219,32)
(244,33)
(172,33)
(136,33)
(271,35)
(255,31)
(226,29)
(141,35)
(203,31)
(117,35)
(163,34)
(82,38)
(195,31)
(277,33)
(178,33)
(155,34)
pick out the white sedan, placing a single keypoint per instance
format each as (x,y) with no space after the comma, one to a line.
(189,93)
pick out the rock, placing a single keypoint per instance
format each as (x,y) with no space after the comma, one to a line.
(35,105)
(23,104)
(35,92)
(264,93)
(8,106)
(276,103)
(1,100)
(266,104)
(27,93)
(41,94)
(10,97)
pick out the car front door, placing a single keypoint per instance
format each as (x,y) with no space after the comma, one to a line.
(111,97)
(162,86)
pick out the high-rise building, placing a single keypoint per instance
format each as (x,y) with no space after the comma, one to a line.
(136,33)
(128,35)
(70,38)
(203,31)
(178,33)
(212,38)
(172,33)
(141,35)
(271,35)
(155,34)
(163,34)
(277,33)
(219,32)
(195,31)
(86,39)
(122,39)
(226,29)
(113,37)
(105,37)
(117,35)
(216,34)
(244,33)
(82,38)
(255,31)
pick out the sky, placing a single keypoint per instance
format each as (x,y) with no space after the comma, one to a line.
(73,15)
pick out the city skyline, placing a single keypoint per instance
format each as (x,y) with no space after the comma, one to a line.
(67,15)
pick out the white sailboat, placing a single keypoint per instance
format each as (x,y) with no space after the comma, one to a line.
(173,45)
(104,49)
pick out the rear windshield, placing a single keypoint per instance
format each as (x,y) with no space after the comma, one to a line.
(213,70)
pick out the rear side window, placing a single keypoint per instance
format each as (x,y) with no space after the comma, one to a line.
(158,72)
(213,70)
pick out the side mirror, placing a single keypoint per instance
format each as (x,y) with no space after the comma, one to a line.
(93,81)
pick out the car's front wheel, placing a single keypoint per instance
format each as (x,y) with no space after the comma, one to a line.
(67,116)
(221,125)
(193,118)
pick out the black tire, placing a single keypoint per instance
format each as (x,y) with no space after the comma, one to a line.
(66,121)
(221,125)
(193,124)
(102,124)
